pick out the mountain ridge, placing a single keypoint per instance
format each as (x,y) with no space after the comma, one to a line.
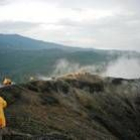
(77,106)
(11,39)
(21,59)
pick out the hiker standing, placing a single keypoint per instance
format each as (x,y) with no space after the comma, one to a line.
(3,104)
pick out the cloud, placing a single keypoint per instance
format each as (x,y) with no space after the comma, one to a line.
(107,24)
(4,2)
(16,27)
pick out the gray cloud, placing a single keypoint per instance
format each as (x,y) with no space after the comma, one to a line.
(4,2)
(121,30)
(16,27)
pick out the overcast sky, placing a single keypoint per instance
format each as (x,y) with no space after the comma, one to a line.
(107,24)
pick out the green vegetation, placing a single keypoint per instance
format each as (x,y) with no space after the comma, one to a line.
(22,57)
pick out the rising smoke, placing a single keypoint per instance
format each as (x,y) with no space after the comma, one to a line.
(63,67)
(123,67)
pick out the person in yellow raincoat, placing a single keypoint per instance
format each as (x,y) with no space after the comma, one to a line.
(3,104)
(7,82)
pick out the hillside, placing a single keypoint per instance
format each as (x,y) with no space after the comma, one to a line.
(22,57)
(18,42)
(74,107)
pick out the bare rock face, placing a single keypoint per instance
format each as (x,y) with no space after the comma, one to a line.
(80,107)
(27,137)
(7,134)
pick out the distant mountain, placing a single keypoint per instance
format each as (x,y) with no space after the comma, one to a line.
(15,41)
(22,57)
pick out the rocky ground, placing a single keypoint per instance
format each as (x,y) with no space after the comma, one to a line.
(73,107)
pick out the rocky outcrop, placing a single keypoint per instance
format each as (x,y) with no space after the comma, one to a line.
(85,107)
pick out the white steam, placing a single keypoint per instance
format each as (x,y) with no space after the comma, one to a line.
(63,67)
(124,67)
(42,77)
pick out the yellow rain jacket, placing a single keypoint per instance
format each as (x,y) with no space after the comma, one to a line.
(3,104)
